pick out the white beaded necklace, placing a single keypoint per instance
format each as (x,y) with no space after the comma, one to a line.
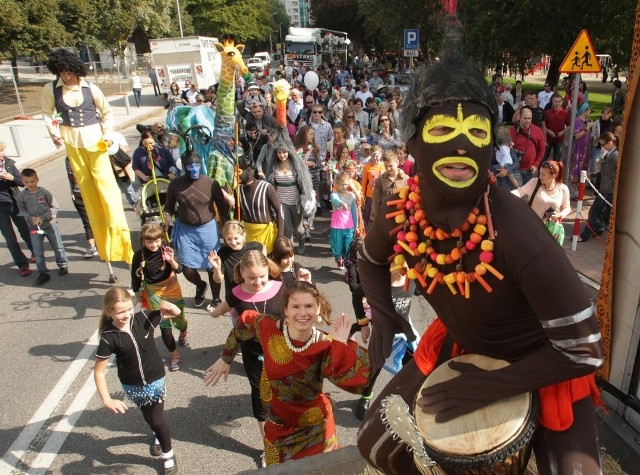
(289,343)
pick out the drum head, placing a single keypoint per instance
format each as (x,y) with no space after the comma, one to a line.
(480,432)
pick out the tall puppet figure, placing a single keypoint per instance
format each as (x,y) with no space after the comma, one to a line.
(78,116)
(496,278)
(217,157)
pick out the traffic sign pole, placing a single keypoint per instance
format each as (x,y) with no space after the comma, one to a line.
(574,110)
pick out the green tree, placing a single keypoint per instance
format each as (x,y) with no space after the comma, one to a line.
(30,28)
(244,19)
(80,18)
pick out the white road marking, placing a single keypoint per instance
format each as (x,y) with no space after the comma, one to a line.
(42,415)
(63,428)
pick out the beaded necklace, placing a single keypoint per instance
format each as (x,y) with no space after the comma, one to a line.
(413,224)
(289,343)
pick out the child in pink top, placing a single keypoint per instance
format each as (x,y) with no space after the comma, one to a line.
(344,219)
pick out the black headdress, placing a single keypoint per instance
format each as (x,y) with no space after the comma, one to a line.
(64,60)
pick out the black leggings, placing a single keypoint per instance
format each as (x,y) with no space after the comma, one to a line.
(251,353)
(167,338)
(557,453)
(154,415)
(193,276)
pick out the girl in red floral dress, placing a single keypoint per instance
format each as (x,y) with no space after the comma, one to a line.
(297,358)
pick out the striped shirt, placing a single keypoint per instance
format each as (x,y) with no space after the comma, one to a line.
(254,198)
(287,187)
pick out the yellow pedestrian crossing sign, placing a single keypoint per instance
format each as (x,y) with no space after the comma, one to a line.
(581,58)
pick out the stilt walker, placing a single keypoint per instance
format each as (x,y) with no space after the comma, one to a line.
(77,115)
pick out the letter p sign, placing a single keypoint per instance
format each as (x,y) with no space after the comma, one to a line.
(411,39)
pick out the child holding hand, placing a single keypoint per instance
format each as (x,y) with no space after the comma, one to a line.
(39,208)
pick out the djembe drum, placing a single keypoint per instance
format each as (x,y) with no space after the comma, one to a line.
(493,440)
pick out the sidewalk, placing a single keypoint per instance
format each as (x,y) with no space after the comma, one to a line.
(37,147)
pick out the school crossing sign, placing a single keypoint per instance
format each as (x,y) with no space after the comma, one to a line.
(581,58)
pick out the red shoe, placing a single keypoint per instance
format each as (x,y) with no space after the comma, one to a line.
(25,271)
(33,259)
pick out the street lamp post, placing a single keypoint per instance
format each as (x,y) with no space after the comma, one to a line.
(347,42)
(281,42)
(179,17)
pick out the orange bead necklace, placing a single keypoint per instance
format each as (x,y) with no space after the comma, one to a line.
(412,223)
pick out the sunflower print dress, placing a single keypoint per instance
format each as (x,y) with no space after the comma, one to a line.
(299,419)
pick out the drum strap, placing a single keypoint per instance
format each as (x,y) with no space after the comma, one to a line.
(445,351)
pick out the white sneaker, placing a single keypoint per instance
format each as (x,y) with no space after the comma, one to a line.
(90,252)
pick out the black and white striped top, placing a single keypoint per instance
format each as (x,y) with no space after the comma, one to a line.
(258,198)
(287,187)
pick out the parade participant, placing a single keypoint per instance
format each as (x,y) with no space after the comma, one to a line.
(255,291)
(285,258)
(153,274)
(77,115)
(298,357)
(140,369)
(289,175)
(195,232)
(344,219)
(260,204)
(10,180)
(509,292)
(235,246)
(163,162)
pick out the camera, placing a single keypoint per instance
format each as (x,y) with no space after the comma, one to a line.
(519,153)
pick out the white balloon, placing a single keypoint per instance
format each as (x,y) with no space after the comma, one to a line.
(311,80)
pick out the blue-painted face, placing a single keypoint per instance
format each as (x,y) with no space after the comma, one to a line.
(193,169)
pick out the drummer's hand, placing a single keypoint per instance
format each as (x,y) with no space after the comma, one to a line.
(381,339)
(458,396)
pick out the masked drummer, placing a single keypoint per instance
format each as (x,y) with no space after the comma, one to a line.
(496,278)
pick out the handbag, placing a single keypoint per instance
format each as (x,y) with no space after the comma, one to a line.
(557,230)
(309,206)
(121,158)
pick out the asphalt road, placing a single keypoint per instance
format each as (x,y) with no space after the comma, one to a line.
(50,412)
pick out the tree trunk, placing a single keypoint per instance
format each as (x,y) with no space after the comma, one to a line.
(553,75)
(14,68)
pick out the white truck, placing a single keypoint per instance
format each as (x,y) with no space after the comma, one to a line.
(264,57)
(303,46)
(191,59)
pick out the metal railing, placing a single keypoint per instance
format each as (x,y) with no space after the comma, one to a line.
(21,86)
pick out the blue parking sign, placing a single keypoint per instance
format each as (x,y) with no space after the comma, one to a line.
(411,39)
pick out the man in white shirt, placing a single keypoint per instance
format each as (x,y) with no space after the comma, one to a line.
(363,93)
(544,96)
(190,95)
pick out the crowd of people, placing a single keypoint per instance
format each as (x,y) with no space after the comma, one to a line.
(340,152)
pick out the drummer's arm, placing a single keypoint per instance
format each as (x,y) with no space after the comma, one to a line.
(568,318)
(373,268)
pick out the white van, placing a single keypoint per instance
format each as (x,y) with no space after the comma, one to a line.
(264,57)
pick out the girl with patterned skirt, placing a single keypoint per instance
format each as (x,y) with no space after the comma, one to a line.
(153,274)
(297,359)
(140,370)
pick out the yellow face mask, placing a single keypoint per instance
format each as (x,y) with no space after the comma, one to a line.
(443,128)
